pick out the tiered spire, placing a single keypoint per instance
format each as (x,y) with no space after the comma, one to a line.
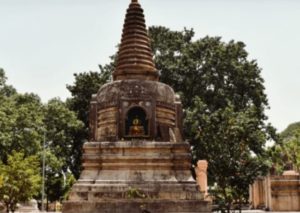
(135,60)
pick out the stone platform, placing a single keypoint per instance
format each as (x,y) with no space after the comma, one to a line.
(136,176)
(139,206)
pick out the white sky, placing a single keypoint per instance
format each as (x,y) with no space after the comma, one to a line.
(43,42)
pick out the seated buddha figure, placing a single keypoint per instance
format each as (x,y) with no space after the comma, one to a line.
(136,129)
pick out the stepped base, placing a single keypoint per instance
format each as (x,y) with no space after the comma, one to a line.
(138,206)
(125,190)
(135,177)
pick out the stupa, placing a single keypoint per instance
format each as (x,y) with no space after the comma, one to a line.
(137,160)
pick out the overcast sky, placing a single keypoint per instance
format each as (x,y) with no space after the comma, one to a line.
(43,42)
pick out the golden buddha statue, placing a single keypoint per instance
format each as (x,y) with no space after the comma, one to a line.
(136,129)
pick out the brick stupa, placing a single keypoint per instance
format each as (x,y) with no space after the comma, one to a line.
(137,160)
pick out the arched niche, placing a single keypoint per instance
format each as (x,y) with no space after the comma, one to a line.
(136,123)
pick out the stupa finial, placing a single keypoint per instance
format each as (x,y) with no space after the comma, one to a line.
(135,60)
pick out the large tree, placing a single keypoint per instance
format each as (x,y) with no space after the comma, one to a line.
(21,177)
(26,122)
(227,139)
(224,99)
(21,117)
(61,126)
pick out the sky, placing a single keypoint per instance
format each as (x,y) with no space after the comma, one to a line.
(43,42)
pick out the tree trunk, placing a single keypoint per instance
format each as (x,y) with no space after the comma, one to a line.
(228,208)
(7,207)
(47,204)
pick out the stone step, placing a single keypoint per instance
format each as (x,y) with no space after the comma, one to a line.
(96,190)
(138,206)
(137,156)
(99,146)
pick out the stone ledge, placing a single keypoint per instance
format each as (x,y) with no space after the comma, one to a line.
(99,191)
(137,206)
(134,144)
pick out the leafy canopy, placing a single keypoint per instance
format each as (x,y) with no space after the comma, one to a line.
(5,90)
(218,72)
(224,99)
(61,150)
(26,122)
(85,85)
(227,139)
(286,154)
(21,177)
(21,117)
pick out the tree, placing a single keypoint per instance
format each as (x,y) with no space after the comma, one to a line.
(5,90)
(223,94)
(85,85)
(20,121)
(24,121)
(21,176)
(216,71)
(225,138)
(61,127)
(57,181)
(224,97)
(286,153)
(290,132)
(291,149)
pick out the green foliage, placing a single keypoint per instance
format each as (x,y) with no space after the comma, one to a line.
(61,156)
(69,181)
(218,72)
(292,150)
(21,176)
(5,90)
(227,139)
(2,78)
(286,154)
(21,116)
(290,132)
(133,193)
(58,185)
(24,122)
(85,85)
(62,126)
(223,94)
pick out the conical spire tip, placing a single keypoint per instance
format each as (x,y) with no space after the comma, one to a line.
(135,59)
